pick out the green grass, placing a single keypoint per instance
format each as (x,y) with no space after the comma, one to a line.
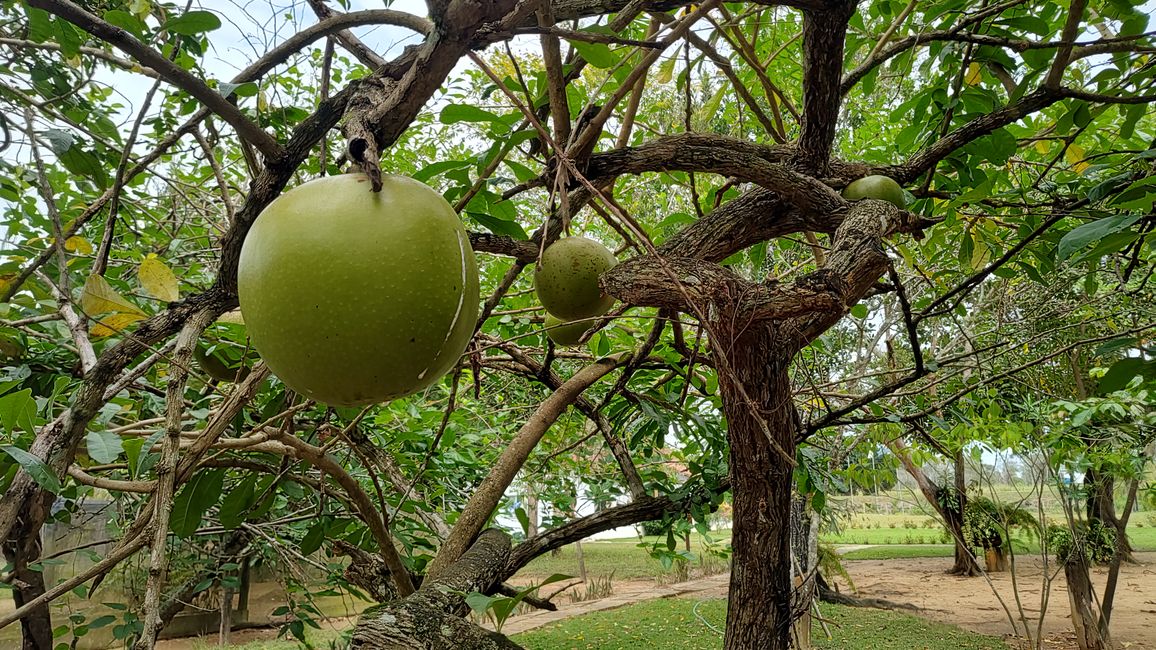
(623,557)
(672,623)
(895,551)
(628,562)
(885,536)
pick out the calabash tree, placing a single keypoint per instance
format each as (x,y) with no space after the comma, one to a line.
(709,144)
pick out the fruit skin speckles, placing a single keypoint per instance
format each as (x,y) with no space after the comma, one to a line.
(566,278)
(353,297)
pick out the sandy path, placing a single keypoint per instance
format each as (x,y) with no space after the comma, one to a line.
(971,604)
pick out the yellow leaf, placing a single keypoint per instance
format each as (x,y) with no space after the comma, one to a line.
(665,71)
(114,324)
(980,255)
(98,297)
(1075,155)
(1042,146)
(233,317)
(974,74)
(6,281)
(262,101)
(158,280)
(78,245)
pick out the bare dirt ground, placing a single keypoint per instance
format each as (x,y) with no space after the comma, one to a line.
(967,602)
(971,603)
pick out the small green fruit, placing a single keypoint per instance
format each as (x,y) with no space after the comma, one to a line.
(876,187)
(567,278)
(564,333)
(354,297)
(217,365)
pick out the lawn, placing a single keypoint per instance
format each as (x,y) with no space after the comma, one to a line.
(623,557)
(674,623)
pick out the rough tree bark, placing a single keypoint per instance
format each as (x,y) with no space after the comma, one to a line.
(1082,599)
(762,423)
(429,619)
(28,584)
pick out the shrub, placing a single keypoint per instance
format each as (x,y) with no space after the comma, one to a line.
(1096,541)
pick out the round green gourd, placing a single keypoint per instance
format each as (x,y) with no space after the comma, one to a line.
(353,297)
(565,333)
(566,278)
(876,187)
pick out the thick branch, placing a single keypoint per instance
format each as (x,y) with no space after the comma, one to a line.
(824,34)
(680,283)
(645,509)
(428,619)
(487,495)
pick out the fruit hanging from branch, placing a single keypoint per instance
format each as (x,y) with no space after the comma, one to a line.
(883,188)
(354,297)
(566,333)
(567,278)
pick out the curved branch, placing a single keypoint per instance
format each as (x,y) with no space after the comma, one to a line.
(486,496)
(172,72)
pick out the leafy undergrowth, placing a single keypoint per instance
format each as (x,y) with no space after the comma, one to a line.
(674,623)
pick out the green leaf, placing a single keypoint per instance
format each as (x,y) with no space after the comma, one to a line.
(192,23)
(84,163)
(859,311)
(434,169)
(103,446)
(1138,196)
(499,226)
(598,55)
(18,411)
(523,519)
(39,24)
(248,89)
(313,538)
(455,113)
(60,141)
(1123,371)
(237,502)
(127,22)
(36,468)
(1094,231)
(191,504)
(710,108)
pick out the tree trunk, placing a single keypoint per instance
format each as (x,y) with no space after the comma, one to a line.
(1080,596)
(1100,506)
(760,414)
(995,559)
(23,549)
(944,504)
(965,562)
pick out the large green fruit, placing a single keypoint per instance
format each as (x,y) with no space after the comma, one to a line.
(565,333)
(876,187)
(567,278)
(353,297)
